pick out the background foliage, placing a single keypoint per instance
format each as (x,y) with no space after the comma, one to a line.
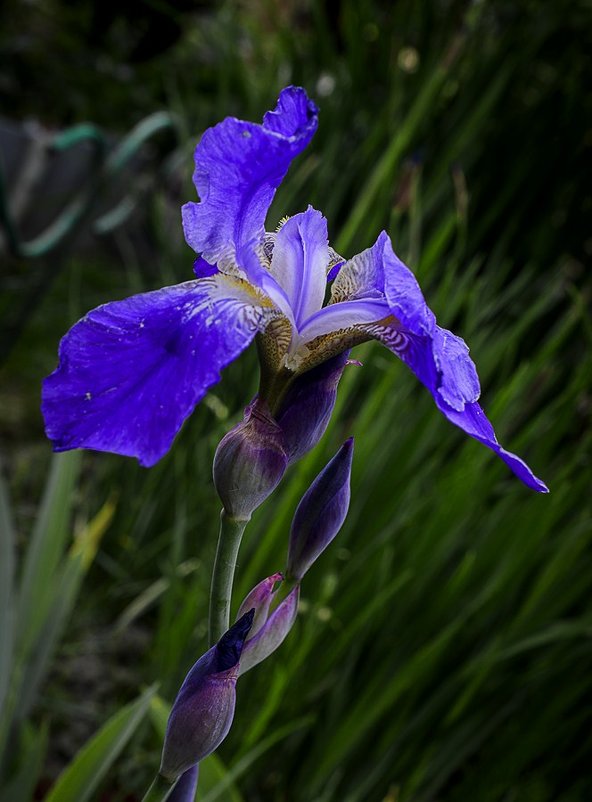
(443,648)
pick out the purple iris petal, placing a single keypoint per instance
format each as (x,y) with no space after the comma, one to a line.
(474,422)
(203,269)
(439,358)
(343,315)
(131,371)
(334,272)
(260,277)
(299,263)
(238,167)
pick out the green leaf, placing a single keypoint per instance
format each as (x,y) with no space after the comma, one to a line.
(81,778)
(7,560)
(64,592)
(32,749)
(45,549)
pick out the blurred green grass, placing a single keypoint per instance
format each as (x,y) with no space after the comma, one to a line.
(443,650)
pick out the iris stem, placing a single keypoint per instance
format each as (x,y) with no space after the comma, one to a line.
(159,790)
(229,540)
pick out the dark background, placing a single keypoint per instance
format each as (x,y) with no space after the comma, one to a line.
(443,648)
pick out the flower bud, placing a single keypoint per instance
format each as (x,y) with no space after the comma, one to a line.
(204,708)
(249,462)
(305,412)
(272,633)
(260,599)
(184,790)
(321,512)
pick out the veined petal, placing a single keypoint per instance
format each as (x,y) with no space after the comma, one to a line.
(439,358)
(474,422)
(131,371)
(238,167)
(299,262)
(259,276)
(442,363)
(378,272)
(344,315)
(362,276)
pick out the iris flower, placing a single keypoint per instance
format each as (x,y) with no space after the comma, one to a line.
(130,372)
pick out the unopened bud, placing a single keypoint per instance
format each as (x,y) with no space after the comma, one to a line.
(272,634)
(249,462)
(204,708)
(305,412)
(321,512)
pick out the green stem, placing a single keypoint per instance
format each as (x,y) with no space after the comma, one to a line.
(229,539)
(159,790)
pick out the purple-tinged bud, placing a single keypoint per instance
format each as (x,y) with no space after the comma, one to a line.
(249,462)
(204,708)
(305,412)
(260,599)
(321,512)
(184,790)
(272,633)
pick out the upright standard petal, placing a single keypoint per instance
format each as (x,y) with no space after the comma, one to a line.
(299,262)
(439,358)
(238,167)
(131,371)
